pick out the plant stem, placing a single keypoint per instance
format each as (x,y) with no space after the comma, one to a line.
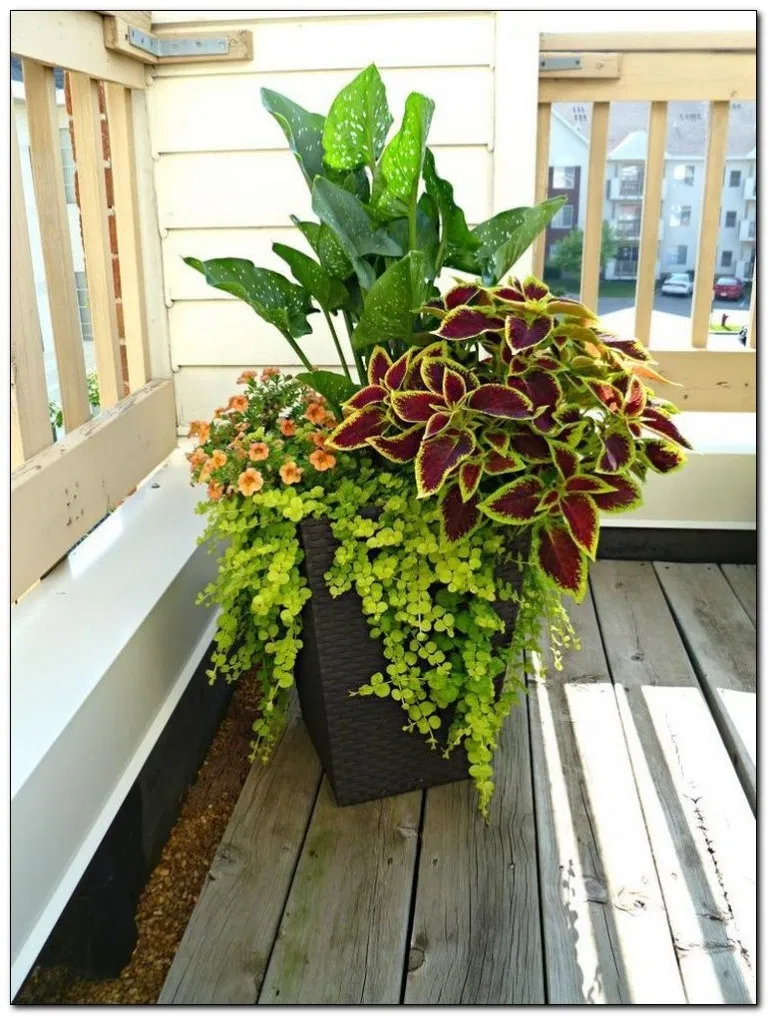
(362,372)
(297,350)
(337,344)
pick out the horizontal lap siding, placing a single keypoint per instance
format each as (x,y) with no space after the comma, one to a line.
(226,182)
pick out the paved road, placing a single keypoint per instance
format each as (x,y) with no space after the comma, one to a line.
(680,305)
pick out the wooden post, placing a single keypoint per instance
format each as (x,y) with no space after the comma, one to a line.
(48,175)
(543,128)
(654,177)
(30,424)
(593,232)
(95,226)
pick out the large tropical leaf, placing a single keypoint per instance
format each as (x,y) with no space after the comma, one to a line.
(336,388)
(507,235)
(347,217)
(325,244)
(269,293)
(329,292)
(456,240)
(391,302)
(303,131)
(357,123)
(403,158)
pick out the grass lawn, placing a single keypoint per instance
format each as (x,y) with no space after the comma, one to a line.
(727,328)
(617,287)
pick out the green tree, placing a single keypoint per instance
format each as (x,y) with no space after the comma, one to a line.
(569,252)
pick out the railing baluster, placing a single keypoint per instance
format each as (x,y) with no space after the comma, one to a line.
(120,115)
(593,225)
(95,226)
(649,237)
(543,127)
(30,424)
(706,257)
(51,200)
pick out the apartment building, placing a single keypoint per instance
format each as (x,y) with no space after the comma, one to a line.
(681,189)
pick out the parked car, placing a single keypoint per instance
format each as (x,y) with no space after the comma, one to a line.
(678,284)
(727,287)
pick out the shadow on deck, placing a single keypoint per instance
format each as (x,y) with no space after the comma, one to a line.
(618,865)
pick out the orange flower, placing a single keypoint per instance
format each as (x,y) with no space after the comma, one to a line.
(258,451)
(329,420)
(201,429)
(287,426)
(290,473)
(197,457)
(215,490)
(269,372)
(217,412)
(239,403)
(322,460)
(315,413)
(318,438)
(250,482)
(246,376)
(218,459)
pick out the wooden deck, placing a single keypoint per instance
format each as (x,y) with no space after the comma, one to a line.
(618,865)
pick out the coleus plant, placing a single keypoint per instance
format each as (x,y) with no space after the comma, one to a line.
(387,225)
(523,410)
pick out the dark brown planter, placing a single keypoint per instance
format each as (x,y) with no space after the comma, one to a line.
(360,741)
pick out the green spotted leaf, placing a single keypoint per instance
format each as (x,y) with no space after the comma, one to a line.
(303,131)
(389,308)
(325,244)
(336,388)
(328,291)
(509,234)
(357,123)
(403,158)
(456,240)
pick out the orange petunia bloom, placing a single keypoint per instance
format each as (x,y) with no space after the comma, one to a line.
(318,438)
(201,429)
(250,482)
(258,451)
(197,457)
(215,490)
(315,413)
(217,412)
(290,473)
(246,376)
(238,402)
(322,460)
(287,426)
(218,459)
(269,372)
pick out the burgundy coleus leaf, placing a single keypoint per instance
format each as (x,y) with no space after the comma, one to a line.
(458,517)
(654,420)
(378,365)
(499,439)
(584,483)
(432,374)
(368,396)
(550,501)
(413,379)
(468,323)
(560,559)
(500,400)
(470,474)
(635,397)
(521,334)
(436,423)
(434,308)
(566,459)
(543,388)
(632,348)
(515,502)
(616,454)
(416,407)
(355,431)
(454,388)
(495,463)
(511,292)
(439,456)
(609,396)
(624,495)
(534,289)
(532,447)
(663,456)
(460,295)
(580,514)
(400,447)
(395,376)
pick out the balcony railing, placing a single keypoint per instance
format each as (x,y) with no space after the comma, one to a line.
(628,229)
(750,188)
(748,231)
(619,189)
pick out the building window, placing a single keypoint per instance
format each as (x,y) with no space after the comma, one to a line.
(564,218)
(726,259)
(730,220)
(84,307)
(680,215)
(684,174)
(563,177)
(68,162)
(734,180)
(679,255)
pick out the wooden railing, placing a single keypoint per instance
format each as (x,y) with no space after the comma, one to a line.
(718,68)
(61,489)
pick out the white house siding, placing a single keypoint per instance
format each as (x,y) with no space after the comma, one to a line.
(226,182)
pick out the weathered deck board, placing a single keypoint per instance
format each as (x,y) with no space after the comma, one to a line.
(606,937)
(721,641)
(743,581)
(224,952)
(342,939)
(701,827)
(476,936)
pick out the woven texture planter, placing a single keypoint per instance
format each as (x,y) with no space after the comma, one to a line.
(360,741)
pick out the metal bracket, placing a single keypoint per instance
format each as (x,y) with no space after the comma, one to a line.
(560,63)
(178,47)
